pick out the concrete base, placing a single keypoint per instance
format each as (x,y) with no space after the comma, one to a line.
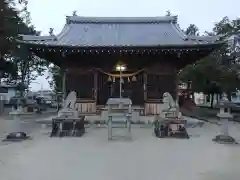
(224,139)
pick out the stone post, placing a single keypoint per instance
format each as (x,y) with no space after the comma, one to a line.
(145,86)
(224,116)
(109,128)
(95,85)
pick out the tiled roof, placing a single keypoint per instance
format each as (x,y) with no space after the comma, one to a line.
(118,31)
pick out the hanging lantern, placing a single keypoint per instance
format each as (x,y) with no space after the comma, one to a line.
(128,79)
(109,79)
(134,78)
(114,79)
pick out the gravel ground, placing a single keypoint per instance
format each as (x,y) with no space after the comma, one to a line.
(145,157)
(24,123)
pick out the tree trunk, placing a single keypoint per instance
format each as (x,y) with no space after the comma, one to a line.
(218,98)
(229,96)
(24,73)
(212,99)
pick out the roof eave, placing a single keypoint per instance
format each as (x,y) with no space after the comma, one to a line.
(158,46)
(26,38)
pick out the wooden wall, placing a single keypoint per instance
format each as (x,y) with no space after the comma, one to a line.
(81,81)
(161,77)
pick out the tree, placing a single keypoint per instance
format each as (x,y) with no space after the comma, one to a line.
(11,25)
(208,83)
(192,30)
(221,64)
(24,65)
(28,66)
(227,27)
(9,21)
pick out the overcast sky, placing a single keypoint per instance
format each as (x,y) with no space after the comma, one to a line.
(203,13)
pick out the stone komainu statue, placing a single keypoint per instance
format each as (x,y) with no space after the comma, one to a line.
(169,105)
(168,101)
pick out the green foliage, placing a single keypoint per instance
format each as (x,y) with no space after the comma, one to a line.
(227,27)
(192,30)
(17,62)
(209,77)
(11,25)
(218,72)
(8,18)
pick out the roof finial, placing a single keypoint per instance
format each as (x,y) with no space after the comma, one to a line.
(168,13)
(74,13)
(51,32)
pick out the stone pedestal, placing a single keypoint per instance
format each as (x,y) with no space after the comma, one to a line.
(68,113)
(224,126)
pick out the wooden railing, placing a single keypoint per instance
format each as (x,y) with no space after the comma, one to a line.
(153,106)
(87,106)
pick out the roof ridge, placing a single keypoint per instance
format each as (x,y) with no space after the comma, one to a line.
(179,31)
(156,19)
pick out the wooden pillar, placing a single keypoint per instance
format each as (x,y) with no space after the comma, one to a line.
(95,85)
(64,84)
(111,86)
(145,86)
(177,85)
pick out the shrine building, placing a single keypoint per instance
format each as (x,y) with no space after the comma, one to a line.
(146,52)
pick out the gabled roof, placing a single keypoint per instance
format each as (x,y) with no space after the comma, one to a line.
(119,31)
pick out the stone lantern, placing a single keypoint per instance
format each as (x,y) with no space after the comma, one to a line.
(224,116)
